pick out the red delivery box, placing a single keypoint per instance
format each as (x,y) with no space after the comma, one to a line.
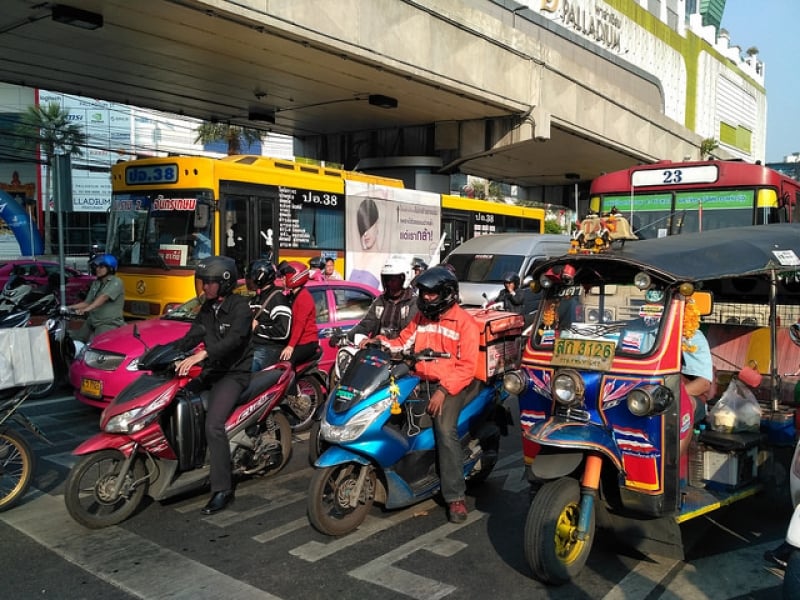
(500,341)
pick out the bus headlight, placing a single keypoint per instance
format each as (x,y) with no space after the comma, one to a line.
(568,387)
(515,382)
(649,400)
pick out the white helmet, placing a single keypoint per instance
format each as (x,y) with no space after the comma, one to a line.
(394,266)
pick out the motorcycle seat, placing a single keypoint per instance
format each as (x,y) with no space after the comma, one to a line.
(259,381)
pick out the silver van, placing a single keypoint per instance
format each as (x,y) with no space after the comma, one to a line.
(481,262)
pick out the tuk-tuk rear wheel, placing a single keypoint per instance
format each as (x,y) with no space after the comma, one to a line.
(552,548)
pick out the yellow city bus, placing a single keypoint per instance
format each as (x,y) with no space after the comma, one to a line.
(168,213)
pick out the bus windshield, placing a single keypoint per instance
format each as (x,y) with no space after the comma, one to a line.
(484,268)
(163,230)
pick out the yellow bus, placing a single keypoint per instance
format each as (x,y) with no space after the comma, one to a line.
(168,213)
(466,218)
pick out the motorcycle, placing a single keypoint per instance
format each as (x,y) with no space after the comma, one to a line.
(381,443)
(600,391)
(17,460)
(153,439)
(311,390)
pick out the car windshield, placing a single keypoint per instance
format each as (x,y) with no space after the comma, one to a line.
(620,313)
(186,311)
(484,268)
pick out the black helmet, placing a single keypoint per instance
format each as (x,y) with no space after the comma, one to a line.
(104,260)
(219,269)
(262,272)
(441,281)
(418,263)
(511,277)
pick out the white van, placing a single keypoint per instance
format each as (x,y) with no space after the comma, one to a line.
(481,262)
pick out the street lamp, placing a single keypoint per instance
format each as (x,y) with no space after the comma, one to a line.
(574,177)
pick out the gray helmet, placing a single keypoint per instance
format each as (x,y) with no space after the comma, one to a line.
(219,269)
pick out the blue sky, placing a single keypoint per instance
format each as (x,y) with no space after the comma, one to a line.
(770,26)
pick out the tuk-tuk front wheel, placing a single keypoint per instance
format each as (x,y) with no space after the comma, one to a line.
(553,550)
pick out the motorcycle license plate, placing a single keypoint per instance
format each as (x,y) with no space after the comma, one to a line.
(584,354)
(92,388)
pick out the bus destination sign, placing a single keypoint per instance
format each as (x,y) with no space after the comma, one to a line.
(675,176)
(149,174)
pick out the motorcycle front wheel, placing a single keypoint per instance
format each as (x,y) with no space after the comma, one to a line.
(330,494)
(316,445)
(552,548)
(17,463)
(303,406)
(89,492)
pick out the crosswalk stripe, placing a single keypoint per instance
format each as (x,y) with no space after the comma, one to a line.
(109,553)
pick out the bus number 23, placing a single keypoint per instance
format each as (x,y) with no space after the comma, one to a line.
(672,176)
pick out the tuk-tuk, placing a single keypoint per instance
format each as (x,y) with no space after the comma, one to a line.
(601,392)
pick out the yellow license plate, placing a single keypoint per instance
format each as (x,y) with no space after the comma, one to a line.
(596,355)
(92,388)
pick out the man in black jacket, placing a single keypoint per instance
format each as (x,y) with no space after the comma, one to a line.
(272,315)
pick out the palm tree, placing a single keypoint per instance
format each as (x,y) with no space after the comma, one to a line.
(49,127)
(235,136)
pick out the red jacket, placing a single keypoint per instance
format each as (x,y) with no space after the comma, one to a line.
(304,320)
(455,332)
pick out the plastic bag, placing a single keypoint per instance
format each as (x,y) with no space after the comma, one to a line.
(737,410)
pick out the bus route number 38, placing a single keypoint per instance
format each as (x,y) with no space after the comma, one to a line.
(322,199)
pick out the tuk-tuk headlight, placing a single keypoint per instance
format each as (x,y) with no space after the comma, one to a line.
(649,400)
(515,382)
(568,387)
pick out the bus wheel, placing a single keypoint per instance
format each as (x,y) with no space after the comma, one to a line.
(552,548)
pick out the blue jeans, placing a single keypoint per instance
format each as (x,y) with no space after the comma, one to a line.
(265,355)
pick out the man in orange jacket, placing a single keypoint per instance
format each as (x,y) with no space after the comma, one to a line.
(443,326)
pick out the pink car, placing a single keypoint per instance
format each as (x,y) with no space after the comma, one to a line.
(40,273)
(108,363)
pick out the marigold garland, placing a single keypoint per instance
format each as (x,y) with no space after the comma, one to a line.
(691,323)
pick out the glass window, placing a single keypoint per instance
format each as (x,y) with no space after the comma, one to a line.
(351,304)
(321,302)
(484,268)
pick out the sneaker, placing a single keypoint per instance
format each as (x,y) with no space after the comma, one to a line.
(457,511)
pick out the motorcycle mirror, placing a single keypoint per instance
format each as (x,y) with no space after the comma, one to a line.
(794,333)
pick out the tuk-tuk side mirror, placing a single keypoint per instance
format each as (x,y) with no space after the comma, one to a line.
(794,333)
(704,302)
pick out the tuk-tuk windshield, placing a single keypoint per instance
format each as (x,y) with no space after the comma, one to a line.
(620,313)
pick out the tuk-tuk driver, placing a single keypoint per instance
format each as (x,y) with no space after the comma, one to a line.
(697,375)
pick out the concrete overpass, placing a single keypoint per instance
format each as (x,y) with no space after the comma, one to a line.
(490,87)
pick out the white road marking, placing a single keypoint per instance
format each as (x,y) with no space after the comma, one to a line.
(381,571)
(313,551)
(125,560)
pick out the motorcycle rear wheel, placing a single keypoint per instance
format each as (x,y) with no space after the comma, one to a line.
(552,549)
(17,463)
(88,491)
(43,390)
(329,510)
(301,415)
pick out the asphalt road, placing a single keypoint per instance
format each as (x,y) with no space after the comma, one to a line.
(263,546)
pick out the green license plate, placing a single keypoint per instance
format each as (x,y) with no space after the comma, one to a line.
(596,355)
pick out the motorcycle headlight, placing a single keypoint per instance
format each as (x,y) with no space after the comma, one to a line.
(568,387)
(137,419)
(515,382)
(649,400)
(355,426)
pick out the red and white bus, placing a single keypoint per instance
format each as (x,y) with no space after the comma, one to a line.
(668,198)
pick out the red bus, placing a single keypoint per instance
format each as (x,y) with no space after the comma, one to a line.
(668,198)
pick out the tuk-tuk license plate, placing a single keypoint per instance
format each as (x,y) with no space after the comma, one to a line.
(93,388)
(584,354)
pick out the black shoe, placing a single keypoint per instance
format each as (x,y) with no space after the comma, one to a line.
(219,500)
(779,556)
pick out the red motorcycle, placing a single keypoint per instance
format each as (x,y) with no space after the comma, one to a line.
(153,440)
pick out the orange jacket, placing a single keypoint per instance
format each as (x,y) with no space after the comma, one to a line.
(455,332)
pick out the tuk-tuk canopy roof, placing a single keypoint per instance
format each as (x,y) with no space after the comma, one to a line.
(718,254)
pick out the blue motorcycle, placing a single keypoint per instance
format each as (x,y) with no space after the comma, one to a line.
(380,440)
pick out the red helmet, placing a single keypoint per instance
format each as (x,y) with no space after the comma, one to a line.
(295,274)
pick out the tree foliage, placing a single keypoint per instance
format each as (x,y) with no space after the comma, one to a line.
(235,136)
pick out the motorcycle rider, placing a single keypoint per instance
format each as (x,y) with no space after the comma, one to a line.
(303,336)
(390,312)
(443,326)
(272,314)
(224,325)
(104,301)
(510,296)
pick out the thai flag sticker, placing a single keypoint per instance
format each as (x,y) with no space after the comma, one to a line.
(548,337)
(632,341)
(634,441)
